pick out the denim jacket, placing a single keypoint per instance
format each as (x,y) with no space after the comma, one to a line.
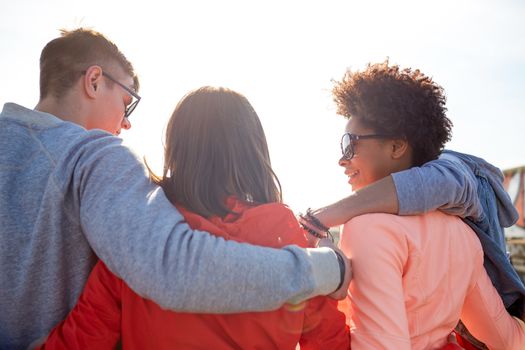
(498,212)
(470,187)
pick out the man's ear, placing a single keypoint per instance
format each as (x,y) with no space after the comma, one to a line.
(92,80)
(399,147)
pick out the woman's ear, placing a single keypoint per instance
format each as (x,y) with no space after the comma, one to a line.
(92,79)
(399,147)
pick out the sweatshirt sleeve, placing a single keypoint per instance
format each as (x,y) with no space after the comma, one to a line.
(144,240)
(94,323)
(446,184)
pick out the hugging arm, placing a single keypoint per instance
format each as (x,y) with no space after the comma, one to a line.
(446,184)
(144,240)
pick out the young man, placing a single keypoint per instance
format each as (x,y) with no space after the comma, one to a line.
(67,193)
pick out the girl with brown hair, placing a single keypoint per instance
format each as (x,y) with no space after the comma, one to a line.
(217,172)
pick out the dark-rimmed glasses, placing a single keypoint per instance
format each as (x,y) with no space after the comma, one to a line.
(349,140)
(131,107)
(135,98)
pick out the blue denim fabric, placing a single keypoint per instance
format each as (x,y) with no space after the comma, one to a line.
(498,212)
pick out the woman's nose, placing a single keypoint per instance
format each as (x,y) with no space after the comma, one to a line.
(343,161)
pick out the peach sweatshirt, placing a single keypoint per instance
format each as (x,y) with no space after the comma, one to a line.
(414,278)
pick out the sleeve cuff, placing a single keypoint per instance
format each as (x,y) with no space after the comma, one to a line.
(408,185)
(325,272)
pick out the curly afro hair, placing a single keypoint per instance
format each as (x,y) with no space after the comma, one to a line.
(399,102)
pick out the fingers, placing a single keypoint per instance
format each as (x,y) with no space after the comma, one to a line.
(325,242)
(452,338)
(452,343)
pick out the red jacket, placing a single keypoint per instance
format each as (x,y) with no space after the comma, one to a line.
(108,310)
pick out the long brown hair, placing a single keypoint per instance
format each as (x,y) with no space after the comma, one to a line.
(215,148)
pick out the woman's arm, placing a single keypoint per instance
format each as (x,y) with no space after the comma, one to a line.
(379,197)
(446,184)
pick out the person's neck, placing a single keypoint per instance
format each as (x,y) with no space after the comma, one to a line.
(404,162)
(66,109)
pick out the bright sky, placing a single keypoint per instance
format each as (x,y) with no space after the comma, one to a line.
(282,56)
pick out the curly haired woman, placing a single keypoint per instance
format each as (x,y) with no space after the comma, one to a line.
(414,276)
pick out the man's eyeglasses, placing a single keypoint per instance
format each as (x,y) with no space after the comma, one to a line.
(348,142)
(135,97)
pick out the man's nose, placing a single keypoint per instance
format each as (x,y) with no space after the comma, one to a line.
(126,124)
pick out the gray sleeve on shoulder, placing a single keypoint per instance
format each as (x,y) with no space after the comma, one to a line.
(446,184)
(142,238)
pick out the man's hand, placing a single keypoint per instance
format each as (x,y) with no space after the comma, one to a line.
(342,291)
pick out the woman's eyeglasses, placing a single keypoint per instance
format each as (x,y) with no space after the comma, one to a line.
(348,142)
